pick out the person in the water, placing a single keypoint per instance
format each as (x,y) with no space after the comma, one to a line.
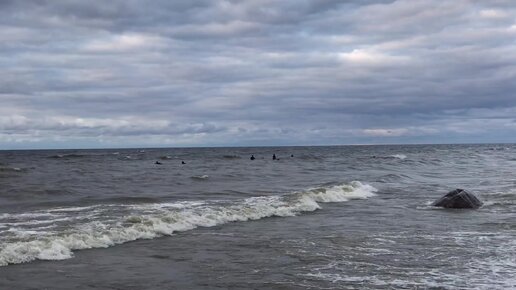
(157,162)
(182,162)
(252,157)
(273,156)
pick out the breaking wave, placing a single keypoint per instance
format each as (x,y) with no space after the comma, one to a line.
(100,226)
(399,156)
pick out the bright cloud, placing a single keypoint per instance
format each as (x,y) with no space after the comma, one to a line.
(124,42)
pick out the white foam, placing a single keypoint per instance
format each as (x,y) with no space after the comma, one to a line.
(26,215)
(201,177)
(399,156)
(164,205)
(489,203)
(340,193)
(70,209)
(154,220)
(38,222)
(508,193)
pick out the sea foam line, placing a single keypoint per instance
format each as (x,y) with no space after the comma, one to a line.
(166,220)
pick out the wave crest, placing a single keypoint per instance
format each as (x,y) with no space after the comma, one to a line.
(147,221)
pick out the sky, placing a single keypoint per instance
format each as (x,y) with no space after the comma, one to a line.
(129,73)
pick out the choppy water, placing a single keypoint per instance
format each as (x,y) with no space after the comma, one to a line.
(348,217)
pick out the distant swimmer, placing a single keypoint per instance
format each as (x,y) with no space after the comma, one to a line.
(273,156)
(182,162)
(157,162)
(252,157)
(291,155)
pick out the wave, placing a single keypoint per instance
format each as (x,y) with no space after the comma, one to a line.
(122,199)
(12,169)
(231,157)
(130,157)
(200,177)
(504,204)
(108,225)
(511,192)
(394,156)
(82,155)
(310,157)
(499,198)
(72,155)
(399,156)
(498,148)
(392,177)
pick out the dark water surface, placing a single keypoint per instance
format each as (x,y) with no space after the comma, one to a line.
(343,217)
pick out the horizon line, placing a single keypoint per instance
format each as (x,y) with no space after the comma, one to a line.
(254,146)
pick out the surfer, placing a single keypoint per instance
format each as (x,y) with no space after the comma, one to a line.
(273,156)
(252,157)
(182,162)
(157,162)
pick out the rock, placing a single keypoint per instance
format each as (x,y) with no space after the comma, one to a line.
(458,198)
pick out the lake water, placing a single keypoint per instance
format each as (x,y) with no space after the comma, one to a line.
(338,217)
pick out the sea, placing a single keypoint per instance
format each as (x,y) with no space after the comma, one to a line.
(322,217)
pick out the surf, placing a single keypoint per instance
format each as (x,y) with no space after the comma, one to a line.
(98,227)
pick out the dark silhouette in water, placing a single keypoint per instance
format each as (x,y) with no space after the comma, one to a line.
(458,198)
(291,155)
(182,162)
(252,157)
(273,156)
(157,162)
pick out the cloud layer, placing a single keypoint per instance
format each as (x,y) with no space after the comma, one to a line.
(256,72)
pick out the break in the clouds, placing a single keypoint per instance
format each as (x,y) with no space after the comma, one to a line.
(257,72)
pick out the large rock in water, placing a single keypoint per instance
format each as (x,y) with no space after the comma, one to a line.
(458,198)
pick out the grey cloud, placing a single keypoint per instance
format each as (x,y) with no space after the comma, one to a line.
(310,72)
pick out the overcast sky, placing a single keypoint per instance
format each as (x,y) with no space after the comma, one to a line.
(131,73)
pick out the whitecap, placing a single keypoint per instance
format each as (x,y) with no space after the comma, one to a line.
(399,156)
(154,220)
